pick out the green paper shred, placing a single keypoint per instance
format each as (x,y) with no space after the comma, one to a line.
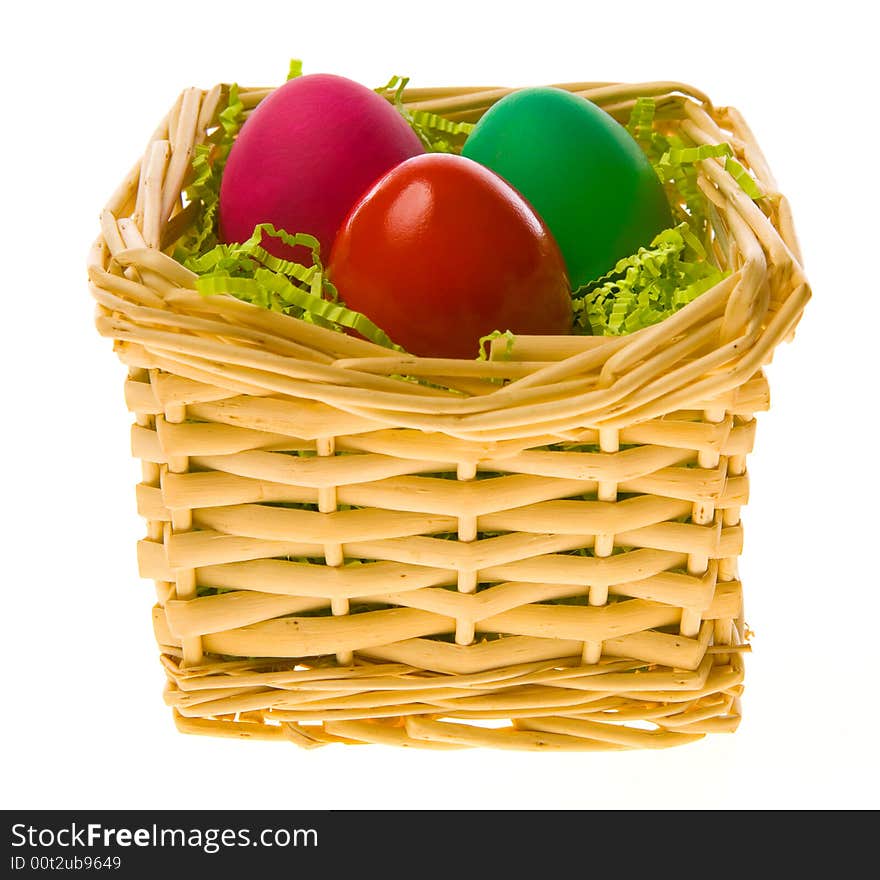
(688,155)
(425,119)
(647,286)
(249,272)
(485,341)
(747,183)
(253,251)
(676,158)
(295,69)
(431,129)
(641,120)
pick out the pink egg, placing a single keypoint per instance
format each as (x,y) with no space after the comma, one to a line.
(306,155)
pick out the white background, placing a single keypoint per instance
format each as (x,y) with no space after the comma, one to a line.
(83,723)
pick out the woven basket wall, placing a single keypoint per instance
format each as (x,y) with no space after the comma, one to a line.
(541,553)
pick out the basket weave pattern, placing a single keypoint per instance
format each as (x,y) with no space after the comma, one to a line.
(538,550)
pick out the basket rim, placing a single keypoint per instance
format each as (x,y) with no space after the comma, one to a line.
(712,345)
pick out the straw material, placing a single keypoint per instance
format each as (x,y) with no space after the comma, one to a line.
(535,551)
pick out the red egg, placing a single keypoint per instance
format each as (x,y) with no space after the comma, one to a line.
(441,251)
(305,155)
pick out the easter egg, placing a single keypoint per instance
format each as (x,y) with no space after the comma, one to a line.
(580,170)
(305,155)
(441,251)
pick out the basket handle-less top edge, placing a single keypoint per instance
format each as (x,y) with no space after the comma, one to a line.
(147,300)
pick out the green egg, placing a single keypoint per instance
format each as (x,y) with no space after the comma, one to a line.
(581,171)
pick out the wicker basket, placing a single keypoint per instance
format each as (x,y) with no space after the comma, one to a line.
(532,551)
